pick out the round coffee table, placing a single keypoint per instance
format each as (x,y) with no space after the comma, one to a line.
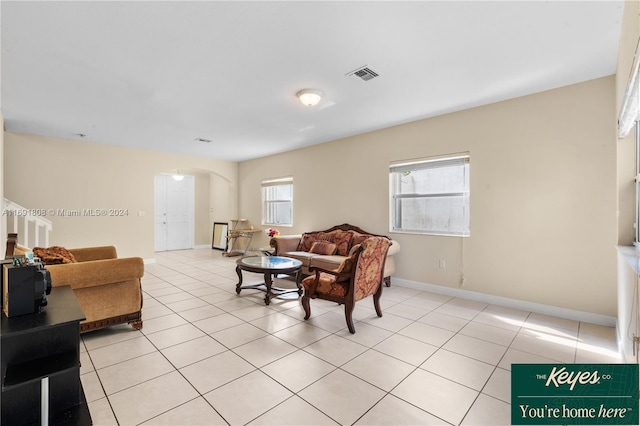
(270,266)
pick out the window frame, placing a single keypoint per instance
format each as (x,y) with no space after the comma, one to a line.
(268,183)
(395,168)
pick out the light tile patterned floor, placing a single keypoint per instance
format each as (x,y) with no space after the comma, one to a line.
(207,356)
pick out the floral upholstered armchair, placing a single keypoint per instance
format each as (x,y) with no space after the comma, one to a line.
(358,276)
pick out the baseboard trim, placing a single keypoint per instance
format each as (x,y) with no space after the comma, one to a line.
(522,305)
(149,261)
(202,246)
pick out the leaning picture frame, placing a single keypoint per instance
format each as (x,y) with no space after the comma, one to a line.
(219,239)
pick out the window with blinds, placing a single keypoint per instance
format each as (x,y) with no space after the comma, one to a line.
(628,120)
(277,201)
(430,196)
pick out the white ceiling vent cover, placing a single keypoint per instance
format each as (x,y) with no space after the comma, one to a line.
(364,73)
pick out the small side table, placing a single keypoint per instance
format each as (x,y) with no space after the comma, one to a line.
(40,355)
(270,266)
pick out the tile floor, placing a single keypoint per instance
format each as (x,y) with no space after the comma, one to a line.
(207,356)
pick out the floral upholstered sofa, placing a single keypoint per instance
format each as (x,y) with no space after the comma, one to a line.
(329,248)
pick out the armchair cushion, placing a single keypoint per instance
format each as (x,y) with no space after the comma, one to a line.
(325,284)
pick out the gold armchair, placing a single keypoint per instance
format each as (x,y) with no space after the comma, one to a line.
(107,287)
(360,275)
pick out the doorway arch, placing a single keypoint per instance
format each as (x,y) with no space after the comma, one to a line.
(215,200)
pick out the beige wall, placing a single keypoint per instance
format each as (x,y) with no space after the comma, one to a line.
(543,195)
(202,226)
(48,173)
(223,200)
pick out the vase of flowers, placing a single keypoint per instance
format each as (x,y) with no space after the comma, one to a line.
(272,232)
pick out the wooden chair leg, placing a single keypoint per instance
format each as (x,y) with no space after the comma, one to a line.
(376,301)
(306,306)
(387,281)
(348,312)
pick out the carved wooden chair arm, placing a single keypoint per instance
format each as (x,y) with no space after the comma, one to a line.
(340,276)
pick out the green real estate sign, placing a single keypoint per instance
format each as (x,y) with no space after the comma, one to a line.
(574,394)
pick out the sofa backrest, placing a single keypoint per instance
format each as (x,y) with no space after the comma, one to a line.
(344,236)
(94,253)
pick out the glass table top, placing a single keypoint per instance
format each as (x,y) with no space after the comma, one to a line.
(270,262)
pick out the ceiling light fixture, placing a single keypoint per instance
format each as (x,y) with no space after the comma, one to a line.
(309,97)
(178,177)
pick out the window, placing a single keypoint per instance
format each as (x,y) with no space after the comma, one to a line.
(430,196)
(277,201)
(629,119)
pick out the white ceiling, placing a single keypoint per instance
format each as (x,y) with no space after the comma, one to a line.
(158,75)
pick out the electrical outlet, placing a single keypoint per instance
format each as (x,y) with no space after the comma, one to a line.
(442,264)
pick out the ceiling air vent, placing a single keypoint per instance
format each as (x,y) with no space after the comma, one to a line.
(364,73)
(203,140)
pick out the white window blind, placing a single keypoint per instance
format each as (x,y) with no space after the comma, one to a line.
(628,119)
(430,196)
(277,201)
(630,108)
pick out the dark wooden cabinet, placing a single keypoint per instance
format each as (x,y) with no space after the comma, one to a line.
(44,345)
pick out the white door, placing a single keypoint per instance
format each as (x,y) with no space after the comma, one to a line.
(174,212)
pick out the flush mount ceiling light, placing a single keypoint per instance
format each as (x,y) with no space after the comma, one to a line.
(178,177)
(309,97)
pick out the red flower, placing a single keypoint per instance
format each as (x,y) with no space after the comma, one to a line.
(273,232)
